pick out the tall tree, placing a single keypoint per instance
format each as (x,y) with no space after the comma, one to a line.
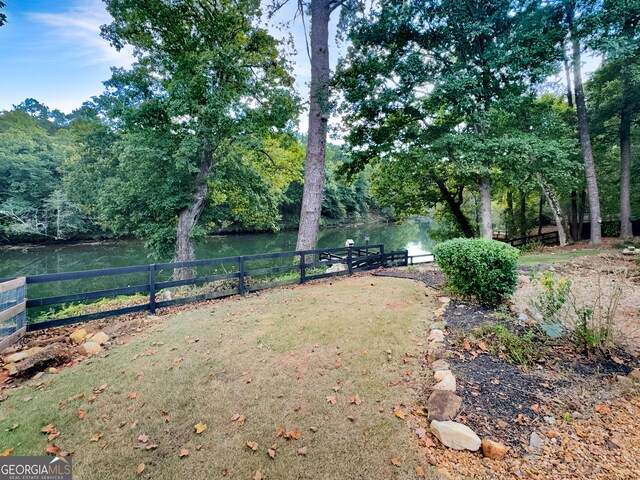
(436,68)
(573,10)
(207,78)
(3,16)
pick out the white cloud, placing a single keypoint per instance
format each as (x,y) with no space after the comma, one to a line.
(79,29)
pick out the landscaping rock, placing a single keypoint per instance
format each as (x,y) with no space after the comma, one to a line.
(493,450)
(447,384)
(439,365)
(445,300)
(16,357)
(550,420)
(443,405)
(78,336)
(440,374)
(49,356)
(89,348)
(635,374)
(535,441)
(436,335)
(456,435)
(100,338)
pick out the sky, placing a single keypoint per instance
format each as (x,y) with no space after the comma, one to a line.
(51,50)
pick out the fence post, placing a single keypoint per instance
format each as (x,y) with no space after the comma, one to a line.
(406,258)
(383,257)
(241,286)
(303,267)
(349,260)
(152,289)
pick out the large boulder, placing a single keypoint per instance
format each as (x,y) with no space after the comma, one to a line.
(89,348)
(456,435)
(100,338)
(447,383)
(16,357)
(50,356)
(443,405)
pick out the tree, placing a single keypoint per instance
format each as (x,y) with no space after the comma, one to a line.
(424,76)
(3,16)
(206,82)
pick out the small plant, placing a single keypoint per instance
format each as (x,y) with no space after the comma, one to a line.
(532,247)
(520,349)
(486,269)
(550,301)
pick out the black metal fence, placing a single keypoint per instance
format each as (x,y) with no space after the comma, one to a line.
(214,278)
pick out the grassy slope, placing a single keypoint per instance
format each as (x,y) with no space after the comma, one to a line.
(287,343)
(548,258)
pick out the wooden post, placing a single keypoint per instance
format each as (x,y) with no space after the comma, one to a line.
(303,267)
(350,260)
(152,289)
(383,257)
(241,286)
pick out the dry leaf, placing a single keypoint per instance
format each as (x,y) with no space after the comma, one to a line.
(420,471)
(133,396)
(91,399)
(241,420)
(482,346)
(258,475)
(272,453)
(48,428)
(466,345)
(398,413)
(281,432)
(143,437)
(235,417)
(332,400)
(140,468)
(52,449)
(7,452)
(355,399)
(302,451)
(82,414)
(253,446)
(183,452)
(153,446)
(396,461)
(53,435)
(293,433)
(200,427)
(313,429)
(419,411)
(96,437)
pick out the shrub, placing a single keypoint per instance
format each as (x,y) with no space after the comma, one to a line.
(486,269)
(520,349)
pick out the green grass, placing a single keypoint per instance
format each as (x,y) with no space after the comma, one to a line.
(548,258)
(271,357)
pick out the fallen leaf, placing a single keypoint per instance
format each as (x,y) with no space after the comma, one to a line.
(302,451)
(421,432)
(272,453)
(82,414)
(7,452)
(351,418)
(13,427)
(466,345)
(52,449)
(133,396)
(258,476)
(153,446)
(96,437)
(241,420)
(336,388)
(293,433)
(143,437)
(313,429)
(235,417)
(281,432)
(53,435)
(398,413)
(420,471)
(355,399)
(253,446)
(420,412)
(396,461)
(338,365)
(200,427)
(427,442)
(48,428)
(183,452)
(92,399)
(140,468)
(482,346)
(332,400)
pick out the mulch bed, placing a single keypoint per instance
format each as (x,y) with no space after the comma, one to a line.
(431,277)
(508,402)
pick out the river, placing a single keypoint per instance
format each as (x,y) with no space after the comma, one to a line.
(35,260)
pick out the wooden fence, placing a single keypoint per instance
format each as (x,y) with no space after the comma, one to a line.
(12,311)
(548,239)
(246,274)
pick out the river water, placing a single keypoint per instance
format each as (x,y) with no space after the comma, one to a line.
(18,261)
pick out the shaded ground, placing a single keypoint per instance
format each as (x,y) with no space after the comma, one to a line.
(245,367)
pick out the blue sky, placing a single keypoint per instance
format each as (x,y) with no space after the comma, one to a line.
(51,50)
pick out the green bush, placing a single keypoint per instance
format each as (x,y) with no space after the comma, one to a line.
(483,268)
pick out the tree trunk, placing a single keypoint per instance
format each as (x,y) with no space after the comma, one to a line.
(454,207)
(574,216)
(567,71)
(540,205)
(188,217)
(581,210)
(626,229)
(485,205)
(509,222)
(585,142)
(318,118)
(558,215)
(522,217)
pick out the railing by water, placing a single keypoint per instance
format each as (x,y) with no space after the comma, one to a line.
(239,275)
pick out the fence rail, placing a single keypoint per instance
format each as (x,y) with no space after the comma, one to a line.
(245,276)
(12,311)
(548,239)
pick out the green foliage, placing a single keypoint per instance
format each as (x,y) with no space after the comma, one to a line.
(553,297)
(500,340)
(483,268)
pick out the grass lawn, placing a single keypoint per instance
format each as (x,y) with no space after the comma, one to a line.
(548,258)
(273,358)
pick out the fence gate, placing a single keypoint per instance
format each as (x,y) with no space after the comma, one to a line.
(13,317)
